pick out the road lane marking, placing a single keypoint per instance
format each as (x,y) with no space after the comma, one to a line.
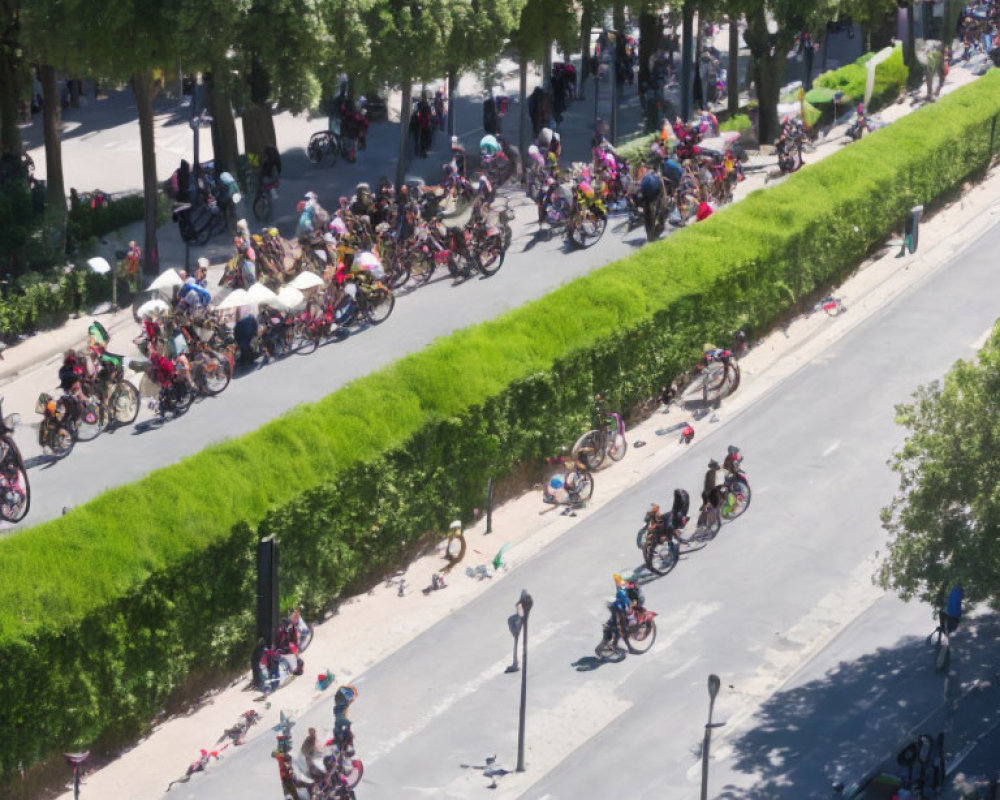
(832,448)
(474,685)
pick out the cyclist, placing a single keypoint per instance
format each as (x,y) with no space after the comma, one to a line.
(714,478)
(951,613)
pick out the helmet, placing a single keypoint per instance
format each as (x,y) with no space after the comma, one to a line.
(311,196)
(713,464)
(257,239)
(272,232)
(363,188)
(545,137)
(489,144)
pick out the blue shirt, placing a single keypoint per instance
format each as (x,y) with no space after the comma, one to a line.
(954,606)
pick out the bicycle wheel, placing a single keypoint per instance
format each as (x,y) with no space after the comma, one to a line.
(641,636)
(304,342)
(379,304)
(737,500)
(713,382)
(942,657)
(281,675)
(91,421)
(454,549)
(617,444)
(15,491)
(659,557)
(305,637)
(60,441)
(183,398)
(490,258)
(422,269)
(213,373)
(124,403)
(606,651)
(399,273)
(352,772)
(709,523)
(319,143)
(584,486)
(592,452)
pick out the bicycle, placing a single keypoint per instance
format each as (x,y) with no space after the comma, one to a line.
(76,761)
(942,647)
(718,376)
(573,485)
(455,544)
(323,146)
(605,440)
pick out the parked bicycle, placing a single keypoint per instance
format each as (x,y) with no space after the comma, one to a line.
(605,440)
(323,147)
(572,485)
(717,376)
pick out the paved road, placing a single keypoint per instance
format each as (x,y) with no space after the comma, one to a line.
(781,602)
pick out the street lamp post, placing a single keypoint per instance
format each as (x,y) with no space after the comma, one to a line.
(713,690)
(524,605)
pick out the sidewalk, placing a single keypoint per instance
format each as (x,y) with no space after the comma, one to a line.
(346,642)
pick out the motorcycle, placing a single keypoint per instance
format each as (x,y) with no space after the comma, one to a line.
(15,492)
(659,537)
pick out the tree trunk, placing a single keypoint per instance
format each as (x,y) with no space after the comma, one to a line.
(687,46)
(547,65)
(586,23)
(823,47)
(220,106)
(910,45)
(769,53)
(145,88)
(452,82)
(522,106)
(55,192)
(807,66)
(10,101)
(650,41)
(618,15)
(404,129)
(733,68)
(74,93)
(258,128)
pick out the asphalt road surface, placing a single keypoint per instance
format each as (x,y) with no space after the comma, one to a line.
(780,602)
(535,265)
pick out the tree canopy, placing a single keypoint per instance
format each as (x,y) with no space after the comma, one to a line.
(944,522)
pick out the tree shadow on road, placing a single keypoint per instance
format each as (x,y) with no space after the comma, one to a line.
(838,728)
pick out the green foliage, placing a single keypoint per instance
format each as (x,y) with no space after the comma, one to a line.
(42,300)
(944,523)
(738,123)
(890,81)
(22,212)
(110,602)
(86,222)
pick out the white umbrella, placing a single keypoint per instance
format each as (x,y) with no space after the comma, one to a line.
(306,280)
(99,265)
(236,299)
(167,280)
(260,294)
(290,297)
(153,308)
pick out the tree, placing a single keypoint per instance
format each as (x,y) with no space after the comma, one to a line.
(11,63)
(50,28)
(278,45)
(772,26)
(206,51)
(944,523)
(479,30)
(412,35)
(869,15)
(133,40)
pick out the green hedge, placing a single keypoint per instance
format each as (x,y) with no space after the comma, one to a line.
(851,79)
(110,608)
(89,220)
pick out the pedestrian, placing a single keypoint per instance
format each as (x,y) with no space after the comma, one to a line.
(255,658)
(490,116)
(534,110)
